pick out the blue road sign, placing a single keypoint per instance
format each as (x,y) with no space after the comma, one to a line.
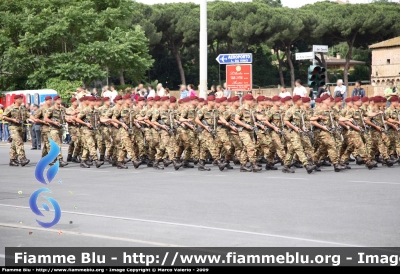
(235,58)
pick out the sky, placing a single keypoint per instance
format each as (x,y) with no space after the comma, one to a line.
(287,3)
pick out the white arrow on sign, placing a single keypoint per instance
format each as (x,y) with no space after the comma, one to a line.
(305,55)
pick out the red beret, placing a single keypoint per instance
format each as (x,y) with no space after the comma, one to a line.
(141,99)
(383,100)
(318,100)
(376,99)
(267,99)
(157,98)
(235,98)
(296,98)
(332,99)
(18,96)
(276,98)
(394,99)
(48,98)
(223,99)
(248,97)
(283,100)
(324,97)
(106,99)
(218,100)
(305,99)
(126,97)
(180,101)
(193,98)
(372,99)
(56,97)
(364,99)
(164,98)
(338,99)
(348,100)
(355,98)
(211,98)
(72,100)
(230,100)
(201,100)
(99,100)
(118,97)
(287,98)
(91,98)
(260,98)
(150,99)
(205,102)
(186,100)
(172,99)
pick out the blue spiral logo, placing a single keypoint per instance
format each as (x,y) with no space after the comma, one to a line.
(39,175)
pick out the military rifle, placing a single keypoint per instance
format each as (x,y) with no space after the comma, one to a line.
(212,131)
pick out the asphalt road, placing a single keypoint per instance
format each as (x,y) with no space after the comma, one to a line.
(146,207)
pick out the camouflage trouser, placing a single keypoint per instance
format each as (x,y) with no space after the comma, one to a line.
(278,145)
(294,147)
(345,142)
(181,145)
(84,148)
(356,144)
(377,145)
(90,144)
(394,141)
(190,143)
(247,138)
(367,141)
(126,146)
(208,143)
(148,134)
(74,147)
(45,130)
(223,141)
(138,141)
(56,136)
(327,145)
(116,141)
(307,146)
(166,145)
(106,133)
(17,144)
(264,141)
(100,144)
(236,144)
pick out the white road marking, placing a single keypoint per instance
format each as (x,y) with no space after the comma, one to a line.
(197,226)
(2,255)
(368,182)
(85,169)
(287,178)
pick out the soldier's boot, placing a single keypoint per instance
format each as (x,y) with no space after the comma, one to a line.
(136,163)
(75,160)
(89,162)
(236,161)
(287,169)
(244,168)
(359,161)
(202,166)
(326,163)
(228,166)
(379,159)
(344,164)
(23,161)
(62,163)
(222,164)
(351,159)
(256,168)
(388,162)
(394,158)
(338,167)
(309,168)
(297,164)
(150,163)
(262,160)
(99,163)
(215,162)
(69,158)
(157,166)
(107,159)
(186,164)
(316,167)
(127,160)
(13,162)
(370,164)
(114,162)
(84,165)
(53,162)
(270,166)
(177,164)
(101,158)
(277,160)
(167,162)
(120,165)
(195,161)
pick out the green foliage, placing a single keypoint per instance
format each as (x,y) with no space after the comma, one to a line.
(361,73)
(63,87)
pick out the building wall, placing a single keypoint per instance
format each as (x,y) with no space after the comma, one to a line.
(382,71)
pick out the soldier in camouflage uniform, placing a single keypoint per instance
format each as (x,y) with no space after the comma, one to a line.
(44,128)
(207,118)
(392,119)
(223,139)
(366,136)
(55,116)
(243,118)
(237,144)
(105,128)
(100,143)
(74,147)
(292,121)
(16,115)
(87,118)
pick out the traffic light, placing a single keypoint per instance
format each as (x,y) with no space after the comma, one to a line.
(316,76)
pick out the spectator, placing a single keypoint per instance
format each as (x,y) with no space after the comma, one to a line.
(36,134)
(390,91)
(284,93)
(166,92)
(152,92)
(227,92)
(322,91)
(340,91)
(6,133)
(358,90)
(219,93)
(191,90)
(184,93)
(212,91)
(113,93)
(94,93)
(105,92)
(299,89)
(160,90)
(1,122)
(134,94)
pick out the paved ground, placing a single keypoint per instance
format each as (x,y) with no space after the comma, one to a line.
(145,207)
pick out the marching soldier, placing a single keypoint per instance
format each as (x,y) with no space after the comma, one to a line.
(45,127)
(392,119)
(74,147)
(105,128)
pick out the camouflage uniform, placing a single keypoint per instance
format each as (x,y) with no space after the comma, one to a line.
(264,138)
(247,136)
(377,145)
(207,141)
(45,130)
(190,137)
(125,115)
(223,140)
(166,140)
(74,147)
(305,138)
(152,136)
(366,135)
(100,143)
(88,134)
(105,129)
(57,115)
(393,134)
(273,115)
(237,145)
